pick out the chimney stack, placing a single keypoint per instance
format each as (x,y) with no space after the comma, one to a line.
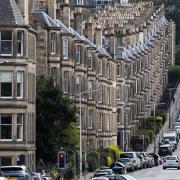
(52,8)
(23,6)
(98,36)
(78,20)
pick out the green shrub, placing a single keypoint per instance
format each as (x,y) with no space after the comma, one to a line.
(109,160)
(93,160)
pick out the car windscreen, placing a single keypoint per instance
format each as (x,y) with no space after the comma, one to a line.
(124,160)
(171,138)
(170,158)
(11,169)
(126,155)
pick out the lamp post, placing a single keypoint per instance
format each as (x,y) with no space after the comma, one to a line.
(80,127)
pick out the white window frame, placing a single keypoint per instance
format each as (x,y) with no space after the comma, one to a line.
(6,41)
(20,127)
(78,84)
(78,54)
(90,89)
(100,123)
(90,60)
(53,42)
(100,93)
(90,119)
(1,125)
(21,42)
(100,66)
(1,81)
(21,81)
(65,48)
(65,81)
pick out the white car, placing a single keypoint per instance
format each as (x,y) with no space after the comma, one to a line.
(171,162)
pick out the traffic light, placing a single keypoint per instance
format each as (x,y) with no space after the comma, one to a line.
(62,160)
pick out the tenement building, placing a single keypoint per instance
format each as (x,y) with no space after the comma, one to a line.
(17,85)
(113,65)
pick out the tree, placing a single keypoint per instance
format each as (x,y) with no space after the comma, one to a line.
(55,120)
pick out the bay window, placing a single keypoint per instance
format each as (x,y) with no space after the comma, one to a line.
(53,43)
(78,54)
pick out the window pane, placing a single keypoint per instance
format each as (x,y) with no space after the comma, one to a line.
(6,89)
(6,161)
(6,35)
(6,42)
(19,84)
(20,126)
(6,126)
(20,43)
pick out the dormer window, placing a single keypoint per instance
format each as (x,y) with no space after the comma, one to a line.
(53,43)
(6,43)
(20,43)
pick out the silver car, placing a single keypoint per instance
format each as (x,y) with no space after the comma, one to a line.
(171,162)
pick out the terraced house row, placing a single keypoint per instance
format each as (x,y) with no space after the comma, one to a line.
(116,62)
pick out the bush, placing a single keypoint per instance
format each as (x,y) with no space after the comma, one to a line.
(109,160)
(93,160)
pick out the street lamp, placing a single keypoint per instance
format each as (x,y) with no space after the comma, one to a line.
(80,127)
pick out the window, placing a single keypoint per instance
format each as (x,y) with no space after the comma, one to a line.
(20,81)
(90,89)
(118,92)
(78,84)
(78,54)
(108,95)
(108,122)
(78,118)
(20,43)
(6,84)
(100,67)
(100,121)
(65,82)
(90,60)
(6,43)
(100,93)
(65,48)
(118,69)
(90,119)
(53,43)
(119,115)
(6,127)
(6,161)
(20,118)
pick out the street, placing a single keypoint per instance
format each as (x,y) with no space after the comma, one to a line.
(157,173)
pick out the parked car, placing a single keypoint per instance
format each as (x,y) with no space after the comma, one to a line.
(36,176)
(121,177)
(157,159)
(103,172)
(165,149)
(17,172)
(100,178)
(128,164)
(134,158)
(171,162)
(118,168)
(144,159)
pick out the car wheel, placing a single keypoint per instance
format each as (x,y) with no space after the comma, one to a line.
(164,167)
(178,167)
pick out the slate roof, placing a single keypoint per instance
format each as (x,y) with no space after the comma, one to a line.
(44,19)
(10,15)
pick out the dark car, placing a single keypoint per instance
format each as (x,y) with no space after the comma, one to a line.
(118,168)
(36,176)
(17,172)
(165,150)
